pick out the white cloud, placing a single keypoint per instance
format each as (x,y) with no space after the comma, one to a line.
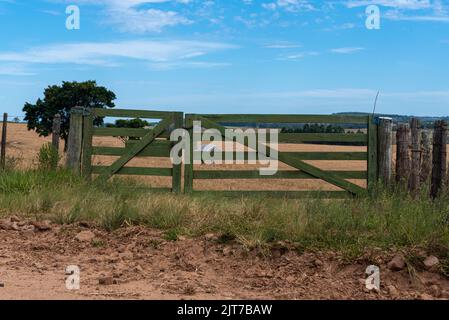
(298,56)
(114,53)
(133,16)
(347,50)
(283,45)
(187,65)
(400,4)
(289,5)
(400,10)
(14,70)
(399,16)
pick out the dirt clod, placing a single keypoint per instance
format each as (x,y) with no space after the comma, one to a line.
(397,263)
(42,226)
(106,281)
(318,263)
(211,237)
(431,262)
(392,291)
(85,236)
(426,296)
(227,251)
(435,291)
(5,224)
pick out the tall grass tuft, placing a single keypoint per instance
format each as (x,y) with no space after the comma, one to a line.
(48,157)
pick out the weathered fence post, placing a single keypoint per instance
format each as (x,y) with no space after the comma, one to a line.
(373,172)
(86,153)
(75,139)
(426,158)
(3,146)
(56,131)
(414,184)
(402,153)
(439,157)
(385,147)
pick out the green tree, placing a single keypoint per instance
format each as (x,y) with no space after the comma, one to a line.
(132,123)
(61,99)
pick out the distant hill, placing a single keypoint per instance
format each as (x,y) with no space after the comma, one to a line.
(427,122)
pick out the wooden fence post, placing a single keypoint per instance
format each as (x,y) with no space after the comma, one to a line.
(439,157)
(3,145)
(56,131)
(86,153)
(402,153)
(385,149)
(75,140)
(414,184)
(426,159)
(372,153)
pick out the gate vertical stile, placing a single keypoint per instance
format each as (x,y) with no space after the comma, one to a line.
(188,166)
(178,121)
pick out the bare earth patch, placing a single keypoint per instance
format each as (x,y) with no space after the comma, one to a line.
(141,264)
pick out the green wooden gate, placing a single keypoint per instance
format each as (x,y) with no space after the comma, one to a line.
(296,159)
(153,142)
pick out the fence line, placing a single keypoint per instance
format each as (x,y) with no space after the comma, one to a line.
(421,157)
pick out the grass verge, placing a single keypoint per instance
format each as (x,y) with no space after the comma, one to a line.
(389,220)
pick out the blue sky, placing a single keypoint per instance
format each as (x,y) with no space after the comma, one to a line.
(232,56)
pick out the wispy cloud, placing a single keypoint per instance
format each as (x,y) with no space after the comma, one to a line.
(289,5)
(14,70)
(135,16)
(400,4)
(298,56)
(347,50)
(409,10)
(187,65)
(283,46)
(115,53)
(399,16)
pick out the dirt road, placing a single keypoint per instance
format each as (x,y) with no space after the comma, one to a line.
(138,263)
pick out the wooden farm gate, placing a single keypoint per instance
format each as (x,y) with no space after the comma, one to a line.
(295,159)
(154,142)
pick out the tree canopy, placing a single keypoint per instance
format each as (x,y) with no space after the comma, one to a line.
(61,99)
(132,123)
